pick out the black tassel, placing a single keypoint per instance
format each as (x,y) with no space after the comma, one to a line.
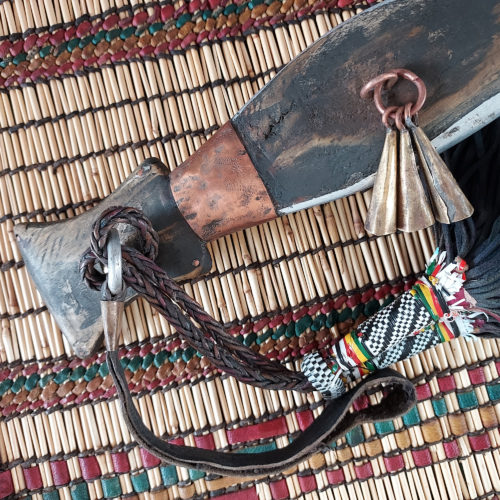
(475,163)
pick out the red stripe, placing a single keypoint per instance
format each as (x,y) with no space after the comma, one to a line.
(353,300)
(335,476)
(451,449)
(120,462)
(60,472)
(206,442)
(148,459)
(300,313)
(32,477)
(307,483)
(361,403)
(446,384)
(304,418)
(248,494)
(480,443)
(275,427)
(6,484)
(364,471)
(90,468)
(259,325)
(422,458)
(350,353)
(279,490)
(437,305)
(393,464)
(177,441)
(477,376)
(423,392)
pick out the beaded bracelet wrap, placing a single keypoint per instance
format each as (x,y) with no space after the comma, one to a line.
(436,309)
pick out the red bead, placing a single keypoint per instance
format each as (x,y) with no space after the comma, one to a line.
(6,484)
(300,313)
(42,39)
(180,11)
(57,37)
(33,478)
(140,18)
(5,48)
(363,471)
(194,5)
(118,56)
(422,458)
(167,12)
(149,460)
(120,462)
(393,464)
(110,22)
(90,468)
(335,476)
(82,29)
(96,28)
(279,489)
(307,483)
(304,418)
(70,33)
(30,42)
(60,472)
(340,302)
(205,441)
(16,48)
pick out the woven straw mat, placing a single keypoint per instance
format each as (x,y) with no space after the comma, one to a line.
(88,91)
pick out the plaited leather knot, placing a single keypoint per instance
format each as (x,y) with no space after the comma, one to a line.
(144,238)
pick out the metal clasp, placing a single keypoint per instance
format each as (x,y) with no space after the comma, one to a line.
(113,293)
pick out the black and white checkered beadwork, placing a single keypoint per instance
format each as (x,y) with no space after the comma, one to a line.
(408,348)
(393,323)
(315,368)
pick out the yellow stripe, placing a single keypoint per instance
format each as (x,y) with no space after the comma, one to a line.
(444,332)
(349,340)
(427,294)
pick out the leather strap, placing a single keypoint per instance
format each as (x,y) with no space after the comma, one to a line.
(333,422)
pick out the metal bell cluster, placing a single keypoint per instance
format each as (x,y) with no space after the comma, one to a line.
(413,188)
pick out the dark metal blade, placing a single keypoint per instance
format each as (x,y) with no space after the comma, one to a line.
(309,133)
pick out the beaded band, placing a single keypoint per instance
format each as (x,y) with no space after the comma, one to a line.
(429,313)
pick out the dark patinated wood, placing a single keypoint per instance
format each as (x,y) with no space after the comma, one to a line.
(308,131)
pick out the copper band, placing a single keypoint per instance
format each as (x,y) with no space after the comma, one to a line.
(218,190)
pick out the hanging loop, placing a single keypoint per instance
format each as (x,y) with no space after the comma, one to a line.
(386,81)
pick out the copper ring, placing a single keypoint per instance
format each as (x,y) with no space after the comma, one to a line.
(389,113)
(390,78)
(399,117)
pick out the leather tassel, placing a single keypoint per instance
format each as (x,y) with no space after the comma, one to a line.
(414,209)
(382,214)
(449,203)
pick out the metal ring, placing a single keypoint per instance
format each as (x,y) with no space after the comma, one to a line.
(399,118)
(388,80)
(391,77)
(115,273)
(389,113)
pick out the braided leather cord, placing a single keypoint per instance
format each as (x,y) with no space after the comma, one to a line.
(151,282)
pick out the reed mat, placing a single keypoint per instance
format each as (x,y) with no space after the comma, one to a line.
(88,91)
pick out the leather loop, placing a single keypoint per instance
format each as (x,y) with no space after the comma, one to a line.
(333,422)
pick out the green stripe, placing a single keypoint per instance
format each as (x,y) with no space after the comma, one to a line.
(360,346)
(422,299)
